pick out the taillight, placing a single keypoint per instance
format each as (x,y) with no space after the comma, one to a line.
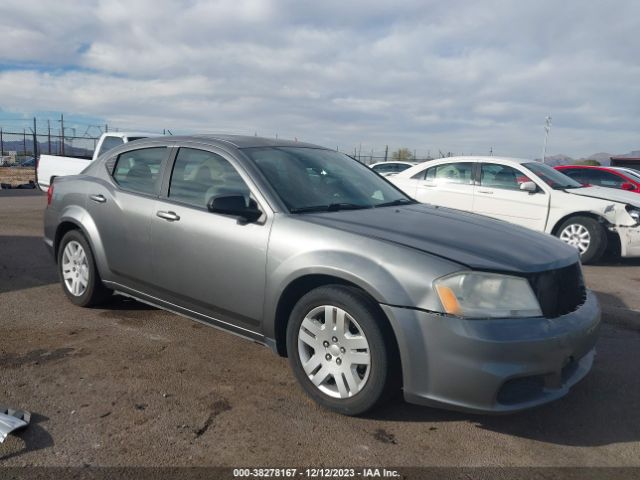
(50,193)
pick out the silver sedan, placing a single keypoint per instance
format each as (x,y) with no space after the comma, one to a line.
(309,252)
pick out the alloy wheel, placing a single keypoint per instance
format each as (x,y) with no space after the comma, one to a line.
(75,268)
(577,236)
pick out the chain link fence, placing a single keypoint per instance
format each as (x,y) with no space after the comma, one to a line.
(17,148)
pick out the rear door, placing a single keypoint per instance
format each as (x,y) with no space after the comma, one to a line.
(206,262)
(448,185)
(499,195)
(122,211)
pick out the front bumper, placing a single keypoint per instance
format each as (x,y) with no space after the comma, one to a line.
(629,241)
(497,365)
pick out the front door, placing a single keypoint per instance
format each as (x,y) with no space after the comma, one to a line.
(499,196)
(206,262)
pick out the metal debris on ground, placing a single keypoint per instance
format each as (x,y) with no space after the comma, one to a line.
(11,420)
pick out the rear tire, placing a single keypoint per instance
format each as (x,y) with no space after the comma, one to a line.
(339,349)
(587,235)
(78,273)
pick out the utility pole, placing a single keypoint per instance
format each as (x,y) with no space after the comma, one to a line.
(547,128)
(49,135)
(491,152)
(62,133)
(1,144)
(24,142)
(386,152)
(106,128)
(35,140)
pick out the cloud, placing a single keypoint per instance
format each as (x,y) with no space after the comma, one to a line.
(461,76)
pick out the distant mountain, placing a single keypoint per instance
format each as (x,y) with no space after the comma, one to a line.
(603,157)
(635,153)
(43,147)
(559,159)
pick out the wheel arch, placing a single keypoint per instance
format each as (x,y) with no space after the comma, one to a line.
(76,218)
(303,285)
(595,216)
(62,229)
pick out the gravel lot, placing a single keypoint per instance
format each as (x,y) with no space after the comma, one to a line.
(132,385)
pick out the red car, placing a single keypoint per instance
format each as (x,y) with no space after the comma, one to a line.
(610,177)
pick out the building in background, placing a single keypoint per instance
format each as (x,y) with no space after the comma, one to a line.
(627,162)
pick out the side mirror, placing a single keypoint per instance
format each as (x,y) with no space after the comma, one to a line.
(628,186)
(234,205)
(530,187)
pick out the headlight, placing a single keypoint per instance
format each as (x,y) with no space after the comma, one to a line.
(634,213)
(486,295)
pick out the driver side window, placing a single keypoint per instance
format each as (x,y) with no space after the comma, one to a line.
(199,175)
(501,176)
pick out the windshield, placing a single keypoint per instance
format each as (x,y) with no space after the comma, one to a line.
(552,177)
(313,179)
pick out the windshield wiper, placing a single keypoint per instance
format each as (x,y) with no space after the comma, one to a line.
(399,201)
(332,207)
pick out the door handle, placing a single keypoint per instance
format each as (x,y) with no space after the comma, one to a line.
(98,198)
(488,192)
(170,216)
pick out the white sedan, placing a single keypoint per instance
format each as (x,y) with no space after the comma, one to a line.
(533,195)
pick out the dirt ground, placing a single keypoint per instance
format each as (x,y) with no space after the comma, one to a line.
(17,175)
(130,385)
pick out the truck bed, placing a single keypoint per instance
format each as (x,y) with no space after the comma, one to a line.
(55,165)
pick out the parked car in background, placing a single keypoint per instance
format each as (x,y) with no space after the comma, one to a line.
(608,177)
(28,162)
(393,167)
(533,195)
(308,251)
(632,173)
(51,166)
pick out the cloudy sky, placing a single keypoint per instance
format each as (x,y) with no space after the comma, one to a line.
(460,76)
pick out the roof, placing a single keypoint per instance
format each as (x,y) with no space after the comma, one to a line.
(389,162)
(132,134)
(242,141)
(478,158)
(631,159)
(596,167)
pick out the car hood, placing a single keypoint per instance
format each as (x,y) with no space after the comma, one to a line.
(611,194)
(475,241)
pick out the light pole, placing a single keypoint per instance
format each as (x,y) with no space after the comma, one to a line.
(547,127)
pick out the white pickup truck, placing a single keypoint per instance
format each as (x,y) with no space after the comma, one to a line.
(50,166)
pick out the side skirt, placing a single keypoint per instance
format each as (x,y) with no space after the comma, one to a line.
(190,314)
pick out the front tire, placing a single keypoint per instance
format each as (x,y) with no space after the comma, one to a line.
(78,273)
(587,235)
(339,350)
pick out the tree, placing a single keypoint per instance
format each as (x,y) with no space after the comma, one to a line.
(402,154)
(594,163)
